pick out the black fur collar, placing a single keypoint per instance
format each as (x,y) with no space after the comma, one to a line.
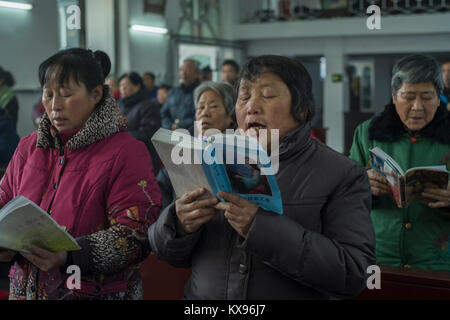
(387,126)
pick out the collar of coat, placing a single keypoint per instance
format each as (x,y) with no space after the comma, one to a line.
(387,126)
(296,141)
(104,122)
(139,96)
(191,86)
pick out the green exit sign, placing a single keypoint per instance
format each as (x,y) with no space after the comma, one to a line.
(336,77)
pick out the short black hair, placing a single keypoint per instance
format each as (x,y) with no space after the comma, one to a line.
(165,86)
(134,78)
(293,74)
(148,73)
(82,65)
(207,69)
(232,63)
(7,78)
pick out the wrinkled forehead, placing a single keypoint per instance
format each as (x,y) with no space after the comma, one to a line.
(417,88)
(260,81)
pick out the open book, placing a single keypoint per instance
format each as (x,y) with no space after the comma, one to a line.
(23,223)
(408,186)
(224,162)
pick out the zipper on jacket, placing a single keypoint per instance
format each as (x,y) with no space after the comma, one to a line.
(61,155)
(61,162)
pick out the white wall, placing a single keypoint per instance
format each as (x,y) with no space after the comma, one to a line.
(100,33)
(27,38)
(150,52)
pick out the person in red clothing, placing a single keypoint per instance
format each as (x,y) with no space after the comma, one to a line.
(113,85)
(38,111)
(92,177)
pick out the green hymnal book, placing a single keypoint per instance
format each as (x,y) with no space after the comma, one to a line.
(23,223)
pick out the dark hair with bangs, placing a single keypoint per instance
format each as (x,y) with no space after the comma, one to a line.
(82,65)
(134,78)
(231,63)
(293,74)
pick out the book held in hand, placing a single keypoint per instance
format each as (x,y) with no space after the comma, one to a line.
(24,223)
(408,186)
(224,162)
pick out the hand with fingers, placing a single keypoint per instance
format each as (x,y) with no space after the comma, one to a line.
(239,212)
(193,213)
(45,260)
(441,197)
(378,184)
(6,255)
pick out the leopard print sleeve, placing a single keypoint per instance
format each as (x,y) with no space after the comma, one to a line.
(110,251)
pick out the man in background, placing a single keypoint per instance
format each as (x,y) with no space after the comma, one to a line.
(230,71)
(179,109)
(206,74)
(149,83)
(162,94)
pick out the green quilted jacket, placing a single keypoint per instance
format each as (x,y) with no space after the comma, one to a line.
(416,236)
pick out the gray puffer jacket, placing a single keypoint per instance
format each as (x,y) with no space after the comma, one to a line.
(319,248)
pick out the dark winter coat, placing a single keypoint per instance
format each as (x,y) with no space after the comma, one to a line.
(318,249)
(143,116)
(179,107)
(8,138)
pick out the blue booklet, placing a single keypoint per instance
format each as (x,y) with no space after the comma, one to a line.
(222,162)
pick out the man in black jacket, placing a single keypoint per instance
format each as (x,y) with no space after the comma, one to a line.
(323,243)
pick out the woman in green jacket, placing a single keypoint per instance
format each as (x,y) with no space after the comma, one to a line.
(414,129)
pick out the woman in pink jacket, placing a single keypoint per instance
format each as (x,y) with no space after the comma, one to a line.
(93,178)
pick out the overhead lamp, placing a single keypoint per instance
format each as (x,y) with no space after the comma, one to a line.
(157,30)
(16,5)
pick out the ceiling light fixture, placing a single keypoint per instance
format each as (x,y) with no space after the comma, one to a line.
(16,5)
(157,30)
